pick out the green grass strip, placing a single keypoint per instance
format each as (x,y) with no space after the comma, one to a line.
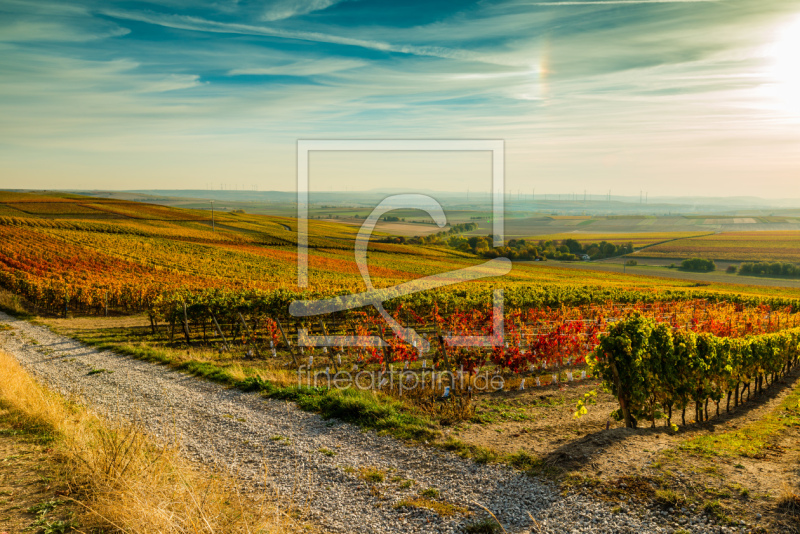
(752,439)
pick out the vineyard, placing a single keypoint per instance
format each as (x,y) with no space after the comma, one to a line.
(63,266)
(536,338)
(658,358)
(653,367)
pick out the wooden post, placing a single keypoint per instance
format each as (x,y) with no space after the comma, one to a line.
(386,348)
(442,344)
(186,324)
(249,332)
(286,341)
(219,330)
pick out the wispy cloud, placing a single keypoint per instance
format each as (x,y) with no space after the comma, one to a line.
(48,23)
(311,67)
(198,24)
(285,9)
(607,2)
(45,31)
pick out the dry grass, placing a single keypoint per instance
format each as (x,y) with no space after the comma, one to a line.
(789,501)
(124,482)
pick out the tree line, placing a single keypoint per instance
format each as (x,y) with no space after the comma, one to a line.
(765,268)
(521,249)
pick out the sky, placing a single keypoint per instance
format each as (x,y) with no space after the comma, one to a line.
(673,97)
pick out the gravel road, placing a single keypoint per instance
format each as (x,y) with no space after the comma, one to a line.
(246,432)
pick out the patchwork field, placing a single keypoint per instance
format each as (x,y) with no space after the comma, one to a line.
(606,227)
(733,246)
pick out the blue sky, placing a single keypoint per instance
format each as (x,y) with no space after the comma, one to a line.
(673,97)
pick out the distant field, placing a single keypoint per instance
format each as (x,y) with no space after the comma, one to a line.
(639,239)
(644,268)
(733,246)
(6,209)
(611,227)
(64,206)
(406,229)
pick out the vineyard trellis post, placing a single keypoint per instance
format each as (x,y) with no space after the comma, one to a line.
(443,347)
(219,331)
(286,341)
(186,324)
(250,334)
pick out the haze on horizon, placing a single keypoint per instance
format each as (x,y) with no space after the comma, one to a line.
(675,97)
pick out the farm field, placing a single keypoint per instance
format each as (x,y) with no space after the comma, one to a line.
(734,246)
(659,267)
(639,240)
(612,227)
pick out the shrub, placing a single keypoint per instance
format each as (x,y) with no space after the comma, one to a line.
(698,265)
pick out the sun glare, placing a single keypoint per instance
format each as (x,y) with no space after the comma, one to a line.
(785,66)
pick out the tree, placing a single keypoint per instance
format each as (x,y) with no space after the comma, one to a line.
(573,246)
